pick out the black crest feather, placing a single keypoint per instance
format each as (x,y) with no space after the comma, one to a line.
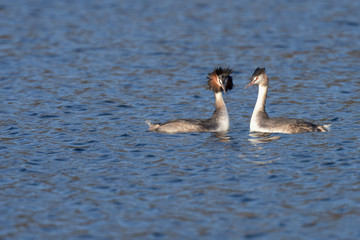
(258,71)
(222,73)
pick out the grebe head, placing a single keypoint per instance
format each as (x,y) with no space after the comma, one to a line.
(259,77)
(220,80)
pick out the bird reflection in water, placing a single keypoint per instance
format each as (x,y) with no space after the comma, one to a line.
(262,138)
(259,155)
(222,136)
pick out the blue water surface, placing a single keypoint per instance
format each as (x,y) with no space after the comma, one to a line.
(79,78)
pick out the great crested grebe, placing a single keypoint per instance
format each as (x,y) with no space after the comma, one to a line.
(261,122)
(218,80)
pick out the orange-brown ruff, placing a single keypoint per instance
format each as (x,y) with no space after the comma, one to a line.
(261,122)
(218,80)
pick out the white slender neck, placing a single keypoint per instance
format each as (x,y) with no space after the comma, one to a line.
(220,115)
(261,99)
(219,102)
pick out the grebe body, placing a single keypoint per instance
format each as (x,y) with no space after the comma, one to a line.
(218,80)
(260,120)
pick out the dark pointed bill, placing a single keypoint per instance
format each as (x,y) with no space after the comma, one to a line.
(256,73)
(222,85)
(250,84)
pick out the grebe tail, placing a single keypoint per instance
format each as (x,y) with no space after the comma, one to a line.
(152,126)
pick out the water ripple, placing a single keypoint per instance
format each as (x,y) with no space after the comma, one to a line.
(79,79)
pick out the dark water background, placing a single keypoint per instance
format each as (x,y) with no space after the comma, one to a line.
(79,78)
